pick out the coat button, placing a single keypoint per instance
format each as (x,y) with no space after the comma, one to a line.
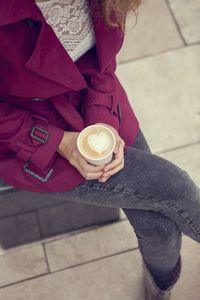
(37,99)
(32,23)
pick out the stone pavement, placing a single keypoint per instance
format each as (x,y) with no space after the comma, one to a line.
(159,67)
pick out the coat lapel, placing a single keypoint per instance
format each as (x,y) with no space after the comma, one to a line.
(53,62)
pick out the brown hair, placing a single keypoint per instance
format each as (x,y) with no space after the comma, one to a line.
(114,12)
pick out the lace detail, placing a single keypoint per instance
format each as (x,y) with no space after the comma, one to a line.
(72,24)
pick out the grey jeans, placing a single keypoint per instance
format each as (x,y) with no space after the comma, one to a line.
(159,199)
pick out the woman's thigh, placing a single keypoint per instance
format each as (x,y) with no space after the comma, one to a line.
(147,182)
(141,142)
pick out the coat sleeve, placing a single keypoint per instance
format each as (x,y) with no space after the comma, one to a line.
(28,135)
(100,101)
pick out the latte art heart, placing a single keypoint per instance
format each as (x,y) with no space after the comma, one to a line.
(98,141)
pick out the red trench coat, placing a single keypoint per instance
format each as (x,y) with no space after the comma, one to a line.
(43,92)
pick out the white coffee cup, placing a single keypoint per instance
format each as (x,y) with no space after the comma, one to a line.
(96,144)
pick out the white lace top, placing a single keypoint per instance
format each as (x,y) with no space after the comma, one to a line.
(72,24)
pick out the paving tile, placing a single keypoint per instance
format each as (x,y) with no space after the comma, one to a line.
(90,245)
(122,215)
(188,159)
(154,32)
(187,14)
(188,286)
(114,278)
(70,216)
(164,92)
(18,230)
(22,263)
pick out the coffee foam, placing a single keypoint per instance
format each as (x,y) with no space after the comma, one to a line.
(96,142)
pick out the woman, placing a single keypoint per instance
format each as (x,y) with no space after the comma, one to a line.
(57,76)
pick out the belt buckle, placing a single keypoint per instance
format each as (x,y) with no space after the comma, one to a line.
(37,138)
(35,175)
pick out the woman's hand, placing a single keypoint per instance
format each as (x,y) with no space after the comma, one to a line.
(118,163)
(68,149)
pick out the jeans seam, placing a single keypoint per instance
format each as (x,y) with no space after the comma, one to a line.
(178,210)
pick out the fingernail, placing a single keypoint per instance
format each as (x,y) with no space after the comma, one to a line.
(104,179)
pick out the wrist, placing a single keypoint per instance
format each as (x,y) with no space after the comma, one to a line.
(68,141)
(62,144)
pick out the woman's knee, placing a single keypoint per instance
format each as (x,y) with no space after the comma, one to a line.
(152,226)
(153,177)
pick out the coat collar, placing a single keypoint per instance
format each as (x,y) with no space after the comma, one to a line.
(53,63)
(108,43)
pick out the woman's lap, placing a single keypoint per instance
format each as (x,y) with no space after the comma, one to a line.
(147,182)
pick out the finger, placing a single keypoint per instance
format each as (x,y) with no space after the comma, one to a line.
(87,176)
(86,167)
(114,171)
(91,176)
(117,147)
(103,179)
(115,163)
(118,159)
(88,171)
(120,149)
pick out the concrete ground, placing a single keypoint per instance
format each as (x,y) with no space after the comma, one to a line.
(159,67)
